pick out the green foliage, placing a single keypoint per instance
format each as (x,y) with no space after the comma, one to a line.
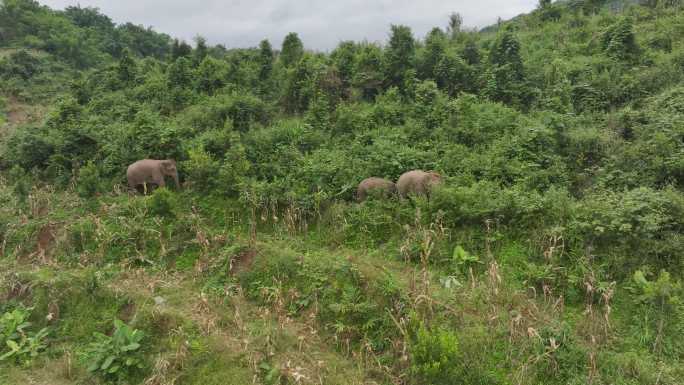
(117,357)
(179,74)
(266,59)
(89,180)
(292,50)
(435,357)
(18,343)
(505,77)
(619,40)
(180,49)
(201,50)
(127,68)
(399,56)
(201,170)
(162,203)
(20,64)
(368,74)
(659,312)
(210,75)
(300,85)
(558,134)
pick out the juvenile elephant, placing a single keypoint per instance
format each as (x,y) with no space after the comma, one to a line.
(417,182)
(387,187)
(151,171)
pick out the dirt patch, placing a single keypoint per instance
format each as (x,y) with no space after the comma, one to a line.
(17,113)
(46,239)
(45,244)
(242,261)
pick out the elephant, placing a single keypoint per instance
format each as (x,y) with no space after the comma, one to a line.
(151,171)
(417,182)
(387,187)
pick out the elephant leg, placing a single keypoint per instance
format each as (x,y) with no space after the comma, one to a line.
(159,180)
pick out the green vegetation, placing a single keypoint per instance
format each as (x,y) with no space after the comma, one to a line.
(551,254)
(116,356)
(21,345)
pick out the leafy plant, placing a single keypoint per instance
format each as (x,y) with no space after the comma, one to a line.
(660,314)
(118,356)
(18,342)
(463,260)
(435,357)
(162,203)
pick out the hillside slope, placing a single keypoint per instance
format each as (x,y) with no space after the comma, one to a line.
(551,253)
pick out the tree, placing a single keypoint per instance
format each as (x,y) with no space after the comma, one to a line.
(292,50)
(127,68)
(470,53)
(505,77)
(548,11)
(399,56)
(544,3)
(432,53)
(144,41)
(201,50)
(368,75)
(453,75)
(180,49)
(455,24)
(88,18)
(619,41)
(506,52)
(592,6)
(343,58)
(210,75)
(179,74)
(265,60)
(299,85)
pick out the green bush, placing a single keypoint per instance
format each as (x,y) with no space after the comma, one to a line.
(435,358)
(17,342)
(635,223)
(659,312)
(117,357)
(89,180)
(201,170)
(163,203)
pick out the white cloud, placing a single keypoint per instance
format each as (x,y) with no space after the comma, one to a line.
(321,24)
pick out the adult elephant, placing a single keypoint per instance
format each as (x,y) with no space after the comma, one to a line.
(417,182)
(151,171)
(368,185)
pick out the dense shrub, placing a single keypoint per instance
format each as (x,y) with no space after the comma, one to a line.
(435,358)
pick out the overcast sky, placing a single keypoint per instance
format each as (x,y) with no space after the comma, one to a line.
(321,24)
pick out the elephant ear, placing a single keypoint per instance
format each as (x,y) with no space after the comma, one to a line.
(167,165)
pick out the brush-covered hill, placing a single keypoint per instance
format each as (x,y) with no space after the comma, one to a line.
(552,253)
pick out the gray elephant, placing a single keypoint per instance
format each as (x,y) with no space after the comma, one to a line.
(386,187)
(151,171)
(417,182)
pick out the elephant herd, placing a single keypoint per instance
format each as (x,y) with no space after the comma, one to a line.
(417,182)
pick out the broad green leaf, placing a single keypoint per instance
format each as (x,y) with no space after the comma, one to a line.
(107,362)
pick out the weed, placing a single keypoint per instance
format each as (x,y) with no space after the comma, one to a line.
(19,343)
(115,357)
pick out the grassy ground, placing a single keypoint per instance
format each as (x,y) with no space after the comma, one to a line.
(221,301)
